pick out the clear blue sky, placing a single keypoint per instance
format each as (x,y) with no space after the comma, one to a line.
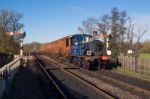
(47,20)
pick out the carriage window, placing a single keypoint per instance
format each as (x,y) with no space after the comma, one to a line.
(67,42)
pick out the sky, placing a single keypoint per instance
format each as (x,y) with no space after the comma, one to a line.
(48,20)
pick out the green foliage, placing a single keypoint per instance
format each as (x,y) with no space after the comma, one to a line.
(118,32)
(7,45)
(114,49)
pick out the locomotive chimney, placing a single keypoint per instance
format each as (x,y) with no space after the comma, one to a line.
(94,33)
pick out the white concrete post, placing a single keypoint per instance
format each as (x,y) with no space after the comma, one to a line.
(21,47)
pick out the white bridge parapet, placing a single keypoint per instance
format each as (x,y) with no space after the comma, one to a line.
(7,73)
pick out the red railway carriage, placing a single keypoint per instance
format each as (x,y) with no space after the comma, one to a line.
(60,46)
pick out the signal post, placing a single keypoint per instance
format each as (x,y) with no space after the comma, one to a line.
(22,35)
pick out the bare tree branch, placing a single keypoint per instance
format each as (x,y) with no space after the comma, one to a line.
(89,25)
(9,22)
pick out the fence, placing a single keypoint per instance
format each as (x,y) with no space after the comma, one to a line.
(128,62)
(7,74)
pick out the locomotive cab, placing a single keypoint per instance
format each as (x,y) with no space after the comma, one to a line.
(78,43)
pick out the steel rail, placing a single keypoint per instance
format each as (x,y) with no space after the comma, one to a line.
(51,79)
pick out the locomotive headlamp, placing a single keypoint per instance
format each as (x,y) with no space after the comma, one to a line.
(89,53)
(108,52)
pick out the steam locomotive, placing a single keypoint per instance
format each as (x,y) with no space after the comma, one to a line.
(80,49)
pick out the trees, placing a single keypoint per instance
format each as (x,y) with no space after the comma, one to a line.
(121,29)
(114,22)
(88,26)
(140,33)
(145,47)
(104,25)
(9,22)
(32,47)
(118,31)
(114,31)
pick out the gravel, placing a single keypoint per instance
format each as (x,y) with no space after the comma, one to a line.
(107,87)
(133,81)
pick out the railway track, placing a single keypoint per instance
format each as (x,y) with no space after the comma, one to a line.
(53,92)
(100,92)
(135,90)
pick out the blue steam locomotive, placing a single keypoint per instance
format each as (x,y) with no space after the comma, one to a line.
(88,52)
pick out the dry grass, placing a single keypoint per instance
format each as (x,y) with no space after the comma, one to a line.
(133,74)
(145,55)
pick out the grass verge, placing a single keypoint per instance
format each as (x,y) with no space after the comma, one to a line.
(133,74)
(145,55)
